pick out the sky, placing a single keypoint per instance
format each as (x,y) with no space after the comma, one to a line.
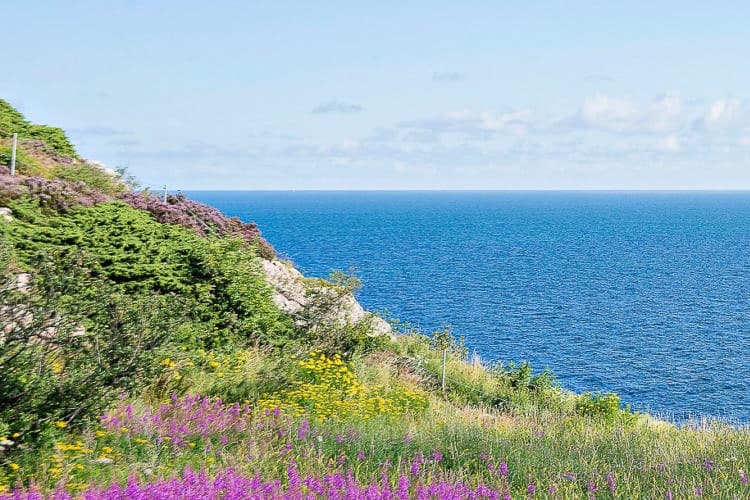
(392,95)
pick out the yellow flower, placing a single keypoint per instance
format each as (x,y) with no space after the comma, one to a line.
(15,435)
(15,466)
(100,434)
(61,424)
(123,429)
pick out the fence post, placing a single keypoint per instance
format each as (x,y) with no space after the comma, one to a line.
(445,359)
(13,155)
(165,193)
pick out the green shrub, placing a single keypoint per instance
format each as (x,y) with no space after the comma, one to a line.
(72,343)
(220,281)
(11,121)
(605,405)
(93,176)
(54,137)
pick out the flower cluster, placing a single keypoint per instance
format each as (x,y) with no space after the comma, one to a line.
(231,485)
(328,389)
(56,194)
(201,218)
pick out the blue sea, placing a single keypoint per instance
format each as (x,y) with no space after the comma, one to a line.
(646,294)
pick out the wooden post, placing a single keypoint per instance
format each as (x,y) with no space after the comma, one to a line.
(165,193)
(445,359)
(13,155)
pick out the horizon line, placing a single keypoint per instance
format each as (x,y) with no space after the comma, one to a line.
(530,190)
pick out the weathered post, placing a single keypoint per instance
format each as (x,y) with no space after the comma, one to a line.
(445,360)
(165,193)
(13,155)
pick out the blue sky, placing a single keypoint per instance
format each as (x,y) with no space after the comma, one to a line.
(392,95)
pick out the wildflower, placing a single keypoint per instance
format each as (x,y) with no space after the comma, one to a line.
(104,460)
(14,466)
(531,488)
(60,424)
(611,481)
(503,469)
(437,456)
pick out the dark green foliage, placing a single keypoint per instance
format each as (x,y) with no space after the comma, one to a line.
(522,376)
(54,137)
(11,121)
(72,342)
(220,281)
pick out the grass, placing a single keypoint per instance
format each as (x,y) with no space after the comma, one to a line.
(534,443)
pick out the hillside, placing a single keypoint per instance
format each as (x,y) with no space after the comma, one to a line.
(157,349)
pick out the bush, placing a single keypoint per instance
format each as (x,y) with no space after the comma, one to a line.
(11,121)
(72,344)
(605,405)
(219,280)
(110,184)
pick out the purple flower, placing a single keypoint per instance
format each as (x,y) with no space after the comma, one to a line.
(531,488)
(304,430)
(503,469)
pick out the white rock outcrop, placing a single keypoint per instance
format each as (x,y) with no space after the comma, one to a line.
(6,214)
(292,293)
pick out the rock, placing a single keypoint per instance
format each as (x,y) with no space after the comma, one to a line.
(288,284)
(292,292)
(6,214)
(21,282)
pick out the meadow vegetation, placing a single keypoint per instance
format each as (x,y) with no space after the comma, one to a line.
(142,356)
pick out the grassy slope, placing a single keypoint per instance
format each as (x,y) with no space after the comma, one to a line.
(377,414)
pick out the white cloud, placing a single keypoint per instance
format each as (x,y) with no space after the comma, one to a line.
(609,113)
(722,113)
(623,115)
(671,143)
(665,113)
(471,124)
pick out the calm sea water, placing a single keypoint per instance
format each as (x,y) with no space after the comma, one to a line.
(644,294)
